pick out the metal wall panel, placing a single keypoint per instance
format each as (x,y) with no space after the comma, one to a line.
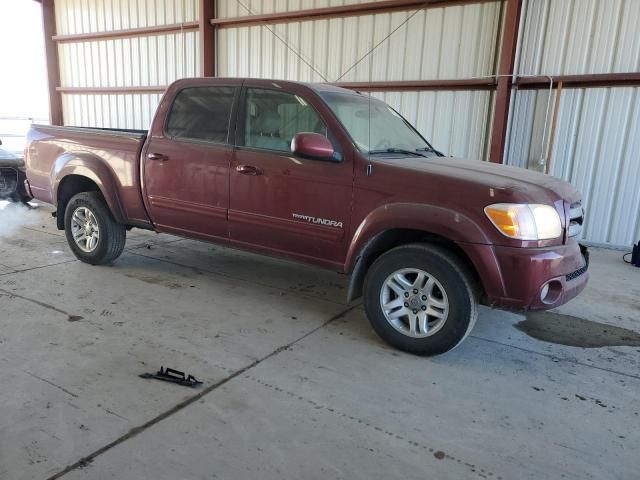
(87,16)
(439,43)
(596,149)
(442,116)
(129,62)
(580,36)
(152,60)
(597,130)
(133,111)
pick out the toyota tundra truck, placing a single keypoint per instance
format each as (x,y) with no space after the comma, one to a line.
(327,177)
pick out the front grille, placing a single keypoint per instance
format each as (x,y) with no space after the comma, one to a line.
(581,270)
(576,217)
(8,181)
(577,273)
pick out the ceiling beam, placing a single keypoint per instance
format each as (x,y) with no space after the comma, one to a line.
(594,80)
(366,8)
(127,32)
(420,85)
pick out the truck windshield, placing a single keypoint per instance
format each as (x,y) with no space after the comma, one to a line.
(374,126)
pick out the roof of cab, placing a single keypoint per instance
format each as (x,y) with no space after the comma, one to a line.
(317,87)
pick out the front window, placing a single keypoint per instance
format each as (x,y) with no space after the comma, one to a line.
(374,126)
(272,118)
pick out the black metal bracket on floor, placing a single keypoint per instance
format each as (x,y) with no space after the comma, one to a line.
(173,376)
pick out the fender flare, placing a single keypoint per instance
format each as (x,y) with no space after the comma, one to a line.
(444,222)
(95,169)
(373,234)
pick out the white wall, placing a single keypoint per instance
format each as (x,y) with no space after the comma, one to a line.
(438,43)
(598,129)
(154,60)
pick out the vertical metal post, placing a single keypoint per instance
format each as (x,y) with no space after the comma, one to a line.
(53,64)
(503,90)
(207,38)
(554,121)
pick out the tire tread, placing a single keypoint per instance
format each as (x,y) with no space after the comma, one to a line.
(460,269)
(114,233)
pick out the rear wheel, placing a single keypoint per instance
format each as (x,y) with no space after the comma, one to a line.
(421,299)
(92,233)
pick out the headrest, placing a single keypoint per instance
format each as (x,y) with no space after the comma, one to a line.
(268,123)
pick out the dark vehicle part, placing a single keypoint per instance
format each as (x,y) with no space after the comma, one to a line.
(173,376)
(635,256)
(12,177)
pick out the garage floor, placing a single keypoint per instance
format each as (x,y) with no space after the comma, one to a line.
(296,384)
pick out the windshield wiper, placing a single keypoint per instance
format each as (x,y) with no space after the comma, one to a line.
(430,149)
(397,150)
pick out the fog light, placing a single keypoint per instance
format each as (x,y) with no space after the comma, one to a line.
(544,292)
(551,292)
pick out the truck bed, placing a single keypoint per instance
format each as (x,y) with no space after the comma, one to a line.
(110,157)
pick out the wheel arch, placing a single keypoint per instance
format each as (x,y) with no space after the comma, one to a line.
(388,239)
(85,173)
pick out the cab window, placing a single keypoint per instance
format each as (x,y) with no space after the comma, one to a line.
(201,113)
(272,118)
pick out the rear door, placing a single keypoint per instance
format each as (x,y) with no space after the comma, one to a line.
(186,165)
(281,202)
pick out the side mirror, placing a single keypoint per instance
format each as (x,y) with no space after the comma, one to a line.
(312,145)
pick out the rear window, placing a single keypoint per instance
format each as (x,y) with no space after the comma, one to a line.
(201,113)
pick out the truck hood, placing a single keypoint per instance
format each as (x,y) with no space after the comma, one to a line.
(524,184)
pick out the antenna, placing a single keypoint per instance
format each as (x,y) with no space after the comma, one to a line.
(370,164)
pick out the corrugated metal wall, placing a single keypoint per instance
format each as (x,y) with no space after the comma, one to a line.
(134,111)
(88,16)
(598,129)
(153,60)
(439,43)
(454,122)
(579,36)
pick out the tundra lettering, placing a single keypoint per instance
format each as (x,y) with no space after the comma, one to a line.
(425,238)
(323,221)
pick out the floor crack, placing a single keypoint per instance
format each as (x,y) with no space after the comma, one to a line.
(74,395)
(71,318)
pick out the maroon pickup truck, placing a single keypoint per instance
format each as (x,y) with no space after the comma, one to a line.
(329,177)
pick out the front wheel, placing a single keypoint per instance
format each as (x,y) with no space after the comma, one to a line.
(92,233)
(420,298)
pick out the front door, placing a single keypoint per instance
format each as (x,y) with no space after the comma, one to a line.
(280,202)
(186,169)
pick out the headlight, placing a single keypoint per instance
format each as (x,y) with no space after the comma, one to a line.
(525,221)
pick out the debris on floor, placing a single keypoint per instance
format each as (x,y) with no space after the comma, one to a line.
(173,376)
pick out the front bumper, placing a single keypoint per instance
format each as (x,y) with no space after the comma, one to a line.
(515,278)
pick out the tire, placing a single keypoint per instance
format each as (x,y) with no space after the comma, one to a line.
(446,307)
(109,242)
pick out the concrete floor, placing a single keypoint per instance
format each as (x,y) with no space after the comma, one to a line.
(296,384)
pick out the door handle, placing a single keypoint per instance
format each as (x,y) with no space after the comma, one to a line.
(248,170)
(160,157)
